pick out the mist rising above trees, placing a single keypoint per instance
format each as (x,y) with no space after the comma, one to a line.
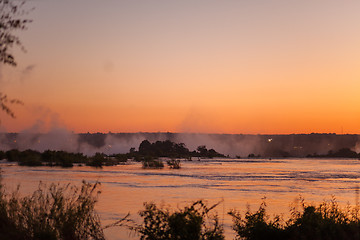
(184,145)
(241,145)
(147,153)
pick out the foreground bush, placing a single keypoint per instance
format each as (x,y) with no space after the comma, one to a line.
(54,212)
(324,222)
(194,222)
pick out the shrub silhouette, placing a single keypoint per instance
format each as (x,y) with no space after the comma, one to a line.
(152,163)
(54,212)
(174,163)
(324,222)
(194,222)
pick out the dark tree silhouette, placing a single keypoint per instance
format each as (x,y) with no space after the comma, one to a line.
(11,20)
(172,150)
(145,148)
(202,150)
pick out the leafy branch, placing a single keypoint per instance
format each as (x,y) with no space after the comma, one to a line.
(11,20)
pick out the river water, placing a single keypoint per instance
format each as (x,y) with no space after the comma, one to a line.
(236,182)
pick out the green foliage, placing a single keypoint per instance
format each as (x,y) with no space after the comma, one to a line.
(194,222)
(54,212)
(324,222)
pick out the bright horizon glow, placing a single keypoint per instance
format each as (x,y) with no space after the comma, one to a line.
(250,67)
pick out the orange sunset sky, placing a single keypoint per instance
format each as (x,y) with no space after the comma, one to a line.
(232,66)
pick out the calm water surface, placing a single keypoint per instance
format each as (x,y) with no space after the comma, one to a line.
(237,182)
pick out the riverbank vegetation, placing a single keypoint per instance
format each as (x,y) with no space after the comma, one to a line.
(152,163)
(173,150)
(193,222)
(327,221)
(148,154)
(341,153)
(51,212)
(174,163)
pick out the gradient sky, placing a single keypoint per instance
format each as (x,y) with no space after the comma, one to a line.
(255,66)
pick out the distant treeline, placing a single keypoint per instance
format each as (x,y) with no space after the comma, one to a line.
(56,158)
(173,150)
(275,145)
(341,153)
(147,152)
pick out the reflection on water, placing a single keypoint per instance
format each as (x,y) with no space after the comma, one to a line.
(239,182)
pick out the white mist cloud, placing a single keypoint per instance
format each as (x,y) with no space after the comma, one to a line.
(197,120)
(47,132)
(226,144)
